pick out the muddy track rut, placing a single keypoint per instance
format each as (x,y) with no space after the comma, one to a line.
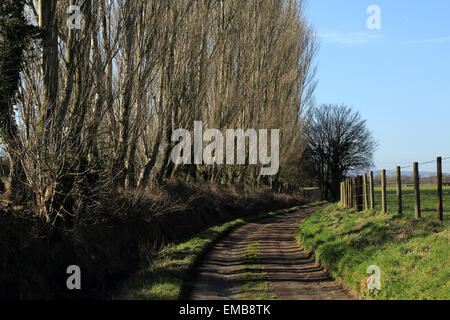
(292,273)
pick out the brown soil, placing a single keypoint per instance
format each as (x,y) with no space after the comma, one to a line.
(293,274)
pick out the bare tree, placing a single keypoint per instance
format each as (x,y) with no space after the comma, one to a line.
(339,142)
(98,106)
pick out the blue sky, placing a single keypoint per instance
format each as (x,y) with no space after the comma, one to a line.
(398,77)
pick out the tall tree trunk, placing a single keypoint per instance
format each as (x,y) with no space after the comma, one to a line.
(119,170)
(49,58)
(145,174)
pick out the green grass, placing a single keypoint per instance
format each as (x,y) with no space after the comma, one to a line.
(254,283)
(163,280)
(413,254)
(428,199)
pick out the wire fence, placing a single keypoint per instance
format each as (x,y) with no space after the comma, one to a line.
(410,194)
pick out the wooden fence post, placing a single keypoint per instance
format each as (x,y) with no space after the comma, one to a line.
(343,193)
(340,193)
(352,198)
(399,191)
(371,191)
(346,193)
(439,189)
(359,193)
(383,192)
(349,194)
(347,190)
(366,196)
(416,190)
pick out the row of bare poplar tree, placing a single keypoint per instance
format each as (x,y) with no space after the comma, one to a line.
(96,107)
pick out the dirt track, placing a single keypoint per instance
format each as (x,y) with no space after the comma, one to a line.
(293,274)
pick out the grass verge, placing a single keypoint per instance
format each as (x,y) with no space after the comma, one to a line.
(413,255)
(164,278)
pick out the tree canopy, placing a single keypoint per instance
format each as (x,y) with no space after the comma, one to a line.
(339,142)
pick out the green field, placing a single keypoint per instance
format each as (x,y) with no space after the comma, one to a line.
(428,200)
